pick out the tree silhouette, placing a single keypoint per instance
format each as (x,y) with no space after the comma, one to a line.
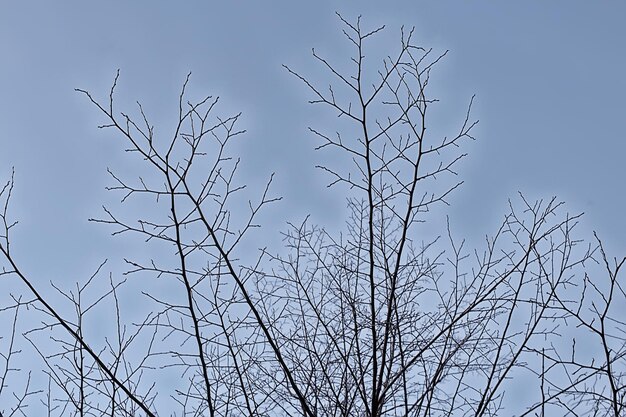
(379,319)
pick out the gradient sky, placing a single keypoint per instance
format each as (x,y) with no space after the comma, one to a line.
(548,78)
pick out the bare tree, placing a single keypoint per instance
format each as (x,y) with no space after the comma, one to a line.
(380,319)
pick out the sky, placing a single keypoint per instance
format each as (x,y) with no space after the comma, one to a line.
(548,79)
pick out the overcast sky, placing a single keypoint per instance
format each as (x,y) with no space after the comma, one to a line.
(548,78)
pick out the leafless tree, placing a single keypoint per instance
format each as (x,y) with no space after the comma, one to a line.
(379,319)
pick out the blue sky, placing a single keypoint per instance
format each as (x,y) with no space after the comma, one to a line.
(548,79)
